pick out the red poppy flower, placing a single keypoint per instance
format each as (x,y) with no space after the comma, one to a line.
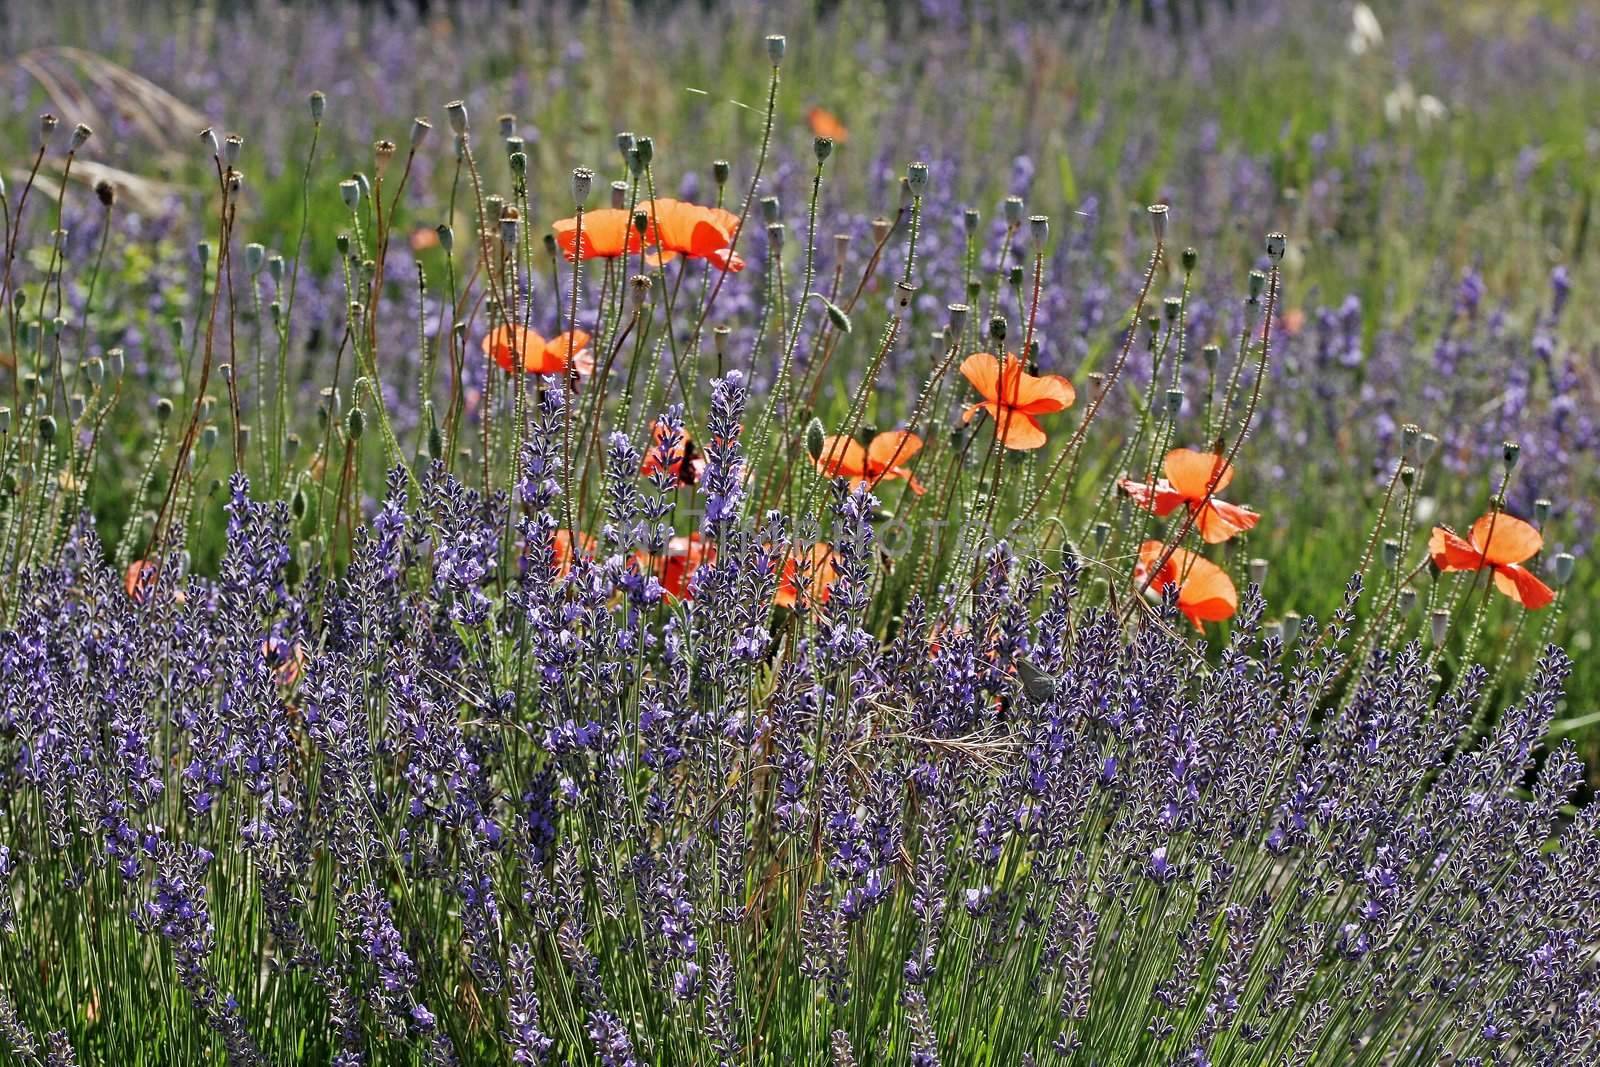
(674,567)
(1188,474)
(1502,543)
(1205,592)
(684,229)
(607,233)
(1013,398)
(683,461)
(561,546)
(825,123)
(818,577)
(538,356)
(880,460)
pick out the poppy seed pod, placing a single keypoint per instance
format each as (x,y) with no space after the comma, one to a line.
(366,186)
(457,111)
(582,183)
(1561,568)
(1276,245)
(619,194)
(958,319)
(917,178)
(1191,257)
(776,44)
(508,125)
(1171,307)
(969,220)
(905,292)
(291,446)
(383,151)
(719,341)
(1391,553)
(997,329)
(244,436)
(5,421)
(226,370)
(1174,402)
(1408,600)
(1013,210)
(1408,474)
(770,209)
(80,133)
(1039,231)
(638,290)
(208,437)
(1541,511)
(775,236)
(47,429)
(720,169)
(1510,451)
(1014,275)
(447,237)
(163,409)
(625,143)
(1258,283)
(641,220)
(104,192)
(208,138)
(1291,627)
(1438,625)
(95,371)
(1158,221)
(1099,532)
(1209,355)
(118,361)
(1426,445)
(508,227)
(202,249)
(1408,441)
(645,148)
(420,128)
(350,193)
(1258,572)
(232,145)
(880,229)
(519,163)
(318,103)
(255,257)
(355,424)
(822,148)
(550,244)
(48,124)
(841,245)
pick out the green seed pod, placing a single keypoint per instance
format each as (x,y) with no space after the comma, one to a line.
(163,409)
(47,429)
(355,424)
(814,438)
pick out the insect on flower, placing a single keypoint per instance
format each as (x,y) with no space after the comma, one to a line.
(684,229)
(1014,398)
(674,567)
(1189,474)
(881,459)
(809,574)
(1502,543)
(607,233)
(538,356)
(683,460)
(1205,592)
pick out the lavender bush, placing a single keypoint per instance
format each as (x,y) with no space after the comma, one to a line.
(492,590)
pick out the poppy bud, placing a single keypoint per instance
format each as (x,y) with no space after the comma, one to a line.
(814,438)
(1541,511)
(1426,444)
(1171,306)
(318,102)
(47,126)
(582,182)
(776,43)
(1158,222)
(1013,210)
(447,237)
(969,220)
(1210,354)
(350,193)
(47,429)
(1190,258)
(255,257)
(997,329)
(619,193)
(1174,402)
(1408,474)
(1408,600)
(457,111)
(420,129)
(917,178)
(1509,452)
(1561,568)
(958,319)
(297,503)
(550,244)
(880,229)
(1258,572)
(775,236)
(770,209)
(355,424)
(208,138)
(720,169)
(519,163)
(1276,244)
(80,134)
(163,409)
(231,147)
(837,316)
(822,147)
(638,289)
(1438,625)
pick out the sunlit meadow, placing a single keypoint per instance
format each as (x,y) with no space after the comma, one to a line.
(730,533)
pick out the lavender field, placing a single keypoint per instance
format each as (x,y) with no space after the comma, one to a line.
(734,533)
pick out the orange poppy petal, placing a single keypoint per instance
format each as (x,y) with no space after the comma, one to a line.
(1042,394)
(1219,521)
(893,449)
(842,457)
(1504,539)
(1190,472)
(733,263)
(1451,552)
(607,233)
(1519,583)
(983,371)
(1160,498)
(1017,429)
